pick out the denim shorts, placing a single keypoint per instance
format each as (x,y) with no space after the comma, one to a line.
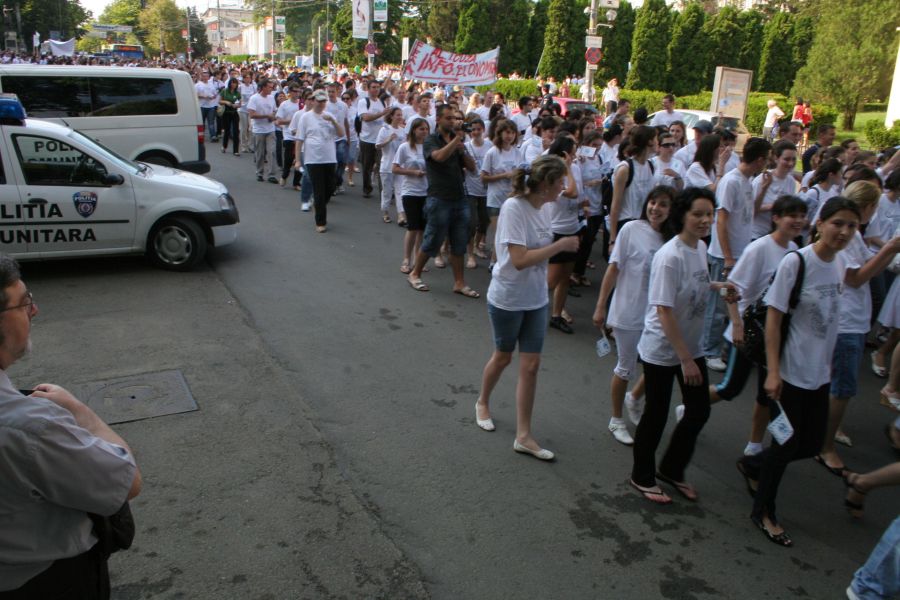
(527,327)
(446,218)
(845,361)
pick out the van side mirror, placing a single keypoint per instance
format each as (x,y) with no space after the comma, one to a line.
(113,179)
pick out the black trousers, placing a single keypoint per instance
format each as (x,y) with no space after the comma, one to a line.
(658,380)
(82,577)
(367,162)
(287,162)
(323,180)
(594,224)
(279,140)
(807,410)
(231,130)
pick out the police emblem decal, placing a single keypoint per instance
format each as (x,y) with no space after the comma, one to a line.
(85,203)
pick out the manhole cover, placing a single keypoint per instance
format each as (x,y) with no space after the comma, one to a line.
(137,397)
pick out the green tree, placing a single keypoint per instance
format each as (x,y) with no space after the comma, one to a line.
(351,51)
(121,12)
(776,66)
(477,30)
(617,46)
(852,55)
(557,39)
(687,52)
(723,30)
(161,23)
(200,45)
(443,21)
(648,47)
(43,16)
(802,35)
(577,28)
(536,30)
(513,44)
(752,24)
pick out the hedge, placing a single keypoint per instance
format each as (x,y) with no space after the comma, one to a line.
(237,58)
(880,136)
(874,107)
(757,106)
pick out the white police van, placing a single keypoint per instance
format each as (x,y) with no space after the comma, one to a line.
(63,194)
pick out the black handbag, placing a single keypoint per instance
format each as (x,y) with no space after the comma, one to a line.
(754,346)
(115,532)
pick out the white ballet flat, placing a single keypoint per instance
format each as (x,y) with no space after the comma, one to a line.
(486,424)
(542,454)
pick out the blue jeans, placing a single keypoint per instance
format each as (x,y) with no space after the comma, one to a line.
(445,218)
(879,577)
(716,318)
(208,117)
(523,327)
(341,149)
(306,187)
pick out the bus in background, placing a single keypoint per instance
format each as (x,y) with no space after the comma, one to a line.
(133,51)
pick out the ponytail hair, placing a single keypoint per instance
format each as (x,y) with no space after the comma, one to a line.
(546,168)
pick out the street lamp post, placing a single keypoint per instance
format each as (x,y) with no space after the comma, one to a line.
(591,11)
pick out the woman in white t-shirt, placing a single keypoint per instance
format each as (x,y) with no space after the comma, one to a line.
(632,180)
(670,348)
(823,185)
(631,257)
(855,317)
(709,163)
(668,171)
(389,139)
(593,173)
(476,192)
(772,184)
(799,370)
(352,137)
(409,162)
(517,295)
(499,167)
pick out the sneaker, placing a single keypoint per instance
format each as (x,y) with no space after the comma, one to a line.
(272,180)
(305,207)
(281,181)
(679,413)
(716,364)
(560,323)
(620,431)
(752,449)
(635,408)
(259,178)
(339,190)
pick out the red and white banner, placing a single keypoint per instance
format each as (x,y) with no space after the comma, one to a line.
(434,65)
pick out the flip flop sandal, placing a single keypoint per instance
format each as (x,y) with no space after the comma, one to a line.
(782,539)
(682,487)
(659,497)
(470,263)
(386,218)
(854,508)
(747,479)
(843,438)
(836,471)
(418,285)
(467,292)
(405,268)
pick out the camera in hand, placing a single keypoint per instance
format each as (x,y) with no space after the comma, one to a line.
(466,127)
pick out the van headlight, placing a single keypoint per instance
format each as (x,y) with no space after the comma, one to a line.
(226,202)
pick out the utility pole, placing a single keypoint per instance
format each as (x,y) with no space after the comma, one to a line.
(588,71)
(371,37)
(187,12)
(218,28)
(273,32)
(319,46)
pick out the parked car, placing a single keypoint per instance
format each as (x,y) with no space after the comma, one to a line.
(731,123)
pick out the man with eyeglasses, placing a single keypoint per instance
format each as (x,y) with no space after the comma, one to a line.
(59,462)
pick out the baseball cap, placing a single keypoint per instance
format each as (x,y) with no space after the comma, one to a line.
(704,126)
(320,95)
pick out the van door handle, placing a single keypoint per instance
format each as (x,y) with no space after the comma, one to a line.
(37,201)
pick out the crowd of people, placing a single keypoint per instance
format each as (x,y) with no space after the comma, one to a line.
(719,257)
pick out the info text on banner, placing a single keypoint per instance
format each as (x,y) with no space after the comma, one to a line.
(434,65)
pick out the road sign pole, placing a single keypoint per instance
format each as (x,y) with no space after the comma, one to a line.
(587,92)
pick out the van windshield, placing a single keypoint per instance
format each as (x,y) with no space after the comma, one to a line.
(111,155)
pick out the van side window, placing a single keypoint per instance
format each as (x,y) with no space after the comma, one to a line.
(48,161)
(60,97)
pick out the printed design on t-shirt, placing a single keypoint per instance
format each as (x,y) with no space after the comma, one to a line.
(818,299)
(747,212)
(543,233)
(697,302)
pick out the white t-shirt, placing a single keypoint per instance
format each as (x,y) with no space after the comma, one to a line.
(753,271)
(262,106)
(338,109)
(686,154)
(351,119)
(390,149)
(695,176)
(474,185)
(533,149)
(521,224)
(787,185)
(679,279)
(523,123)
(592,170)
(735,195)
(636,244)
(247,91)
(432,122)
(856,302)
(370,129)
(732,163)
(806,359)
(807,177)
(318,137)
(563,213)
(286,112)
(207,89)
(772,115)
(407,158)
(664,119)
(815,197)
(659,166)
(635,194)
(888,216)
(609,155)
(500,161)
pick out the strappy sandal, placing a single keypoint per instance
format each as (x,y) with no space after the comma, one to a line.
(782,539)
(855,509)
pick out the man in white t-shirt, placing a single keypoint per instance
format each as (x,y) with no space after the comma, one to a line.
(261,110)
(733,231)
(283,117)
(668,114)
(338,110)
(772,115)
(208,96)
(522,119)
(371,111)
(247,88)
(422,111)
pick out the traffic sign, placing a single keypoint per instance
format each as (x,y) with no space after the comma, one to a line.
(593,41)
(593,55)
(184,34)
(592,67)
(329,46)
(370,48)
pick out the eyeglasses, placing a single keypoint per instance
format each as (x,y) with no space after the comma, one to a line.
(29,302)
(668,145)
(345,98)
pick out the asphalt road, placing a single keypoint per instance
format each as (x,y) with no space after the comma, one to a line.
(335,453)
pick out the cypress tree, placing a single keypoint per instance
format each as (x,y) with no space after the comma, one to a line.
(536,29)
(617,46)
(723,32)
(688,52)
(476,28)
(557,39)
(752,25)
(513,44)
(649,53)
(776,66)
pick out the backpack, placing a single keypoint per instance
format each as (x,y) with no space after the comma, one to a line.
(754,346)
(630,162)
(357,120)
(606,186)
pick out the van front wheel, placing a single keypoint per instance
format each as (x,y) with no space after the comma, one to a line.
(176,244)
(158,158)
